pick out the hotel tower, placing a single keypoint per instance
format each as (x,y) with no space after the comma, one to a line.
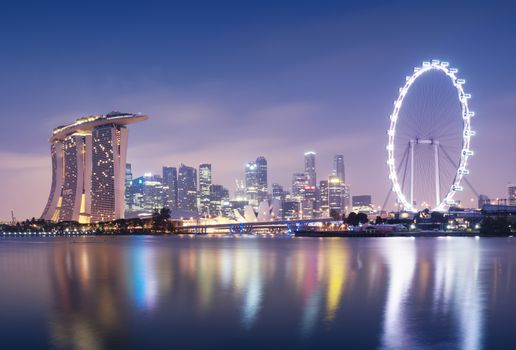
(88,169)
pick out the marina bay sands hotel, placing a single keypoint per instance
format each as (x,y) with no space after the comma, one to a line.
(88,169)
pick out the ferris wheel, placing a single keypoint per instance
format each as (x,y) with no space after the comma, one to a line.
(429,138)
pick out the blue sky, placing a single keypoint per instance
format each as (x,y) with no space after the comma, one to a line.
(227,81)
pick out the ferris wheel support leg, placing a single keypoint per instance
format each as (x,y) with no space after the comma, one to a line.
(411,172)
(437,180)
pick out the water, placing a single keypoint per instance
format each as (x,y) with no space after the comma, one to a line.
(257,293)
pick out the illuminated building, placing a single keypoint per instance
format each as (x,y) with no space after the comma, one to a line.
(310,169)
(335,194)
(291,210)
(251,183)
(323,198)
(187,188)
(261,179)
(128,183)
(338,167)
(170,187)
(278,192)
(362,201)
(147,195)
(299,182)
(219,201)
(204,188)
(511,189)
(89,169)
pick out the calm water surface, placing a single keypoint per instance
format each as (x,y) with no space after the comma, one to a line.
(250,293)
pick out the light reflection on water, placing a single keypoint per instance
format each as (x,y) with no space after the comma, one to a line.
(141,292)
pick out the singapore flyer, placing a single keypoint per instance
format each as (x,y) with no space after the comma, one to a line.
(429,138)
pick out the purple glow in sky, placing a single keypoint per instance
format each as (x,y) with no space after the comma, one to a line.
(224,83)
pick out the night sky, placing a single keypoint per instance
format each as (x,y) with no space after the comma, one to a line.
(227,81)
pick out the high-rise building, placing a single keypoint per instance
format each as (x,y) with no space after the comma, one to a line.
(261,179)
(511,189)
(128,183)
(89,169)
(251,183)
(204,188)
(147,195)
(187,188)
(299,182)
(335,194)
(323,198)
(278,192)
(310,169)
(291,210)
(338,167)
(219,200)
(170,187)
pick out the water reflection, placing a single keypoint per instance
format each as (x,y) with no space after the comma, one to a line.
(373,293)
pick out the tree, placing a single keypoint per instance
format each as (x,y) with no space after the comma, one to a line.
(352,219)
(362,218)
(160,218)
(495,227)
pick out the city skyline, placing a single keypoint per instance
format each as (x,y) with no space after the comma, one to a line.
(263,93)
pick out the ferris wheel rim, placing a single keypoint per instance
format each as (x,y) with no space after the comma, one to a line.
(465,153)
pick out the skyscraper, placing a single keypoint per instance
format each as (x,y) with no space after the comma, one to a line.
(335,194)
(147,194)
(251,183)
(261,179)
(219,198)
(299,182)
(278,192)
(170,187)
(108,173)
(187,188)
(323,198)
(128,183)
(89,169)
(338,167)
(204,188)
(310,169)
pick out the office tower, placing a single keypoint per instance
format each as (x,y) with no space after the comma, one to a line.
(278,192)
(219,199)
(323,198)
(170,187)
(89,169)
(187,188)
(251,183)
(291,210)
(204,188)
(299,182)
(346,198)
(148,195)
(335,194)
(338,167)
(310,169)
(261,179)
(362,201)
(511,189)
(128,183)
